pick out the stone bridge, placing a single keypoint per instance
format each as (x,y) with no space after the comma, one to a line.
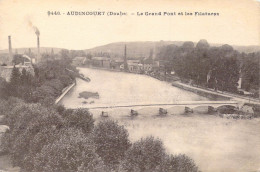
(189,104)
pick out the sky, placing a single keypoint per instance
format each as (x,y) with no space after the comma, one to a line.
(237,23)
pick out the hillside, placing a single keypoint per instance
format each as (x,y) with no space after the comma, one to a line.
(142,49)
(134,49)
(33,50)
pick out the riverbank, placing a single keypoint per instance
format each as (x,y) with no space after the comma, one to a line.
(215,94)
(201,92)
(66,91)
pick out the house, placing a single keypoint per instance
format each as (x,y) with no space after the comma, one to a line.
(101,62)
(116,63)
(78,61)
(148,65)
(135,67)
(6,71)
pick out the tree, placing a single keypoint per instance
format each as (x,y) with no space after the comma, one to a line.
(18,58)
(4,89)
(226,72)
(144,155)
(28,120)
(111,141)
(15,82)
(250,71)
(15,77)
(80,119)
(72,151)
(178,163)
(202,45)
(24,77)
(65,54)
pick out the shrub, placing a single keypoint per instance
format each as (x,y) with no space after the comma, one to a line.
(4,91)
(256,109)
(111,141)
(56,84)
(46,136)
(29,120)
(144,155)
(7,105)
(65,80)
(72,151)
(59,108)
(178,163)
(81,119)
(42,92)
(12,114)
(47,101)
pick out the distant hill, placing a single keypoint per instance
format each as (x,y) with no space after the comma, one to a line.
(134,49)
(33,50)
(142,49)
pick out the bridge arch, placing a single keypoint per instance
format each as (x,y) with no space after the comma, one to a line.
(205,109)
(227,109)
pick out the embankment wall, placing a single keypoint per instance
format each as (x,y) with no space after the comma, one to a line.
(209,95)
(65,92)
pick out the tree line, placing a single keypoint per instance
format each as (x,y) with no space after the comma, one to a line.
(214,67)
(44,84)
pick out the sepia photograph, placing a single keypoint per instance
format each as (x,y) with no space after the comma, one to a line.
(130,86)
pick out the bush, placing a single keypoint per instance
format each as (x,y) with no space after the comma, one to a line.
(42,92)
(7,105)
(47,101)
(111,141)
(81,119)
(144,155)
(178,163)
(73,151)
(29,119)
(46,136)
(256,109)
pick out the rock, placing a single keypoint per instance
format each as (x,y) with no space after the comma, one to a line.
(162,111)
(104,114)
(188,110)
(247,109)
(3,128)
(134,113)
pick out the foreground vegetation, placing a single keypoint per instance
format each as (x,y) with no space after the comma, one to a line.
(57,139)
(46,137)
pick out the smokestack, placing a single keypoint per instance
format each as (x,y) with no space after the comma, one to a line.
(38,47)
(37,32)
(10,48)
(125,61)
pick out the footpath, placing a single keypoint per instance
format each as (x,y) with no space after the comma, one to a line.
(221,94)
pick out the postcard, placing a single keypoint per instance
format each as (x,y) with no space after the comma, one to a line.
(130,86)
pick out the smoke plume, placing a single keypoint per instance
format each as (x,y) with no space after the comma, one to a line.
(36,30)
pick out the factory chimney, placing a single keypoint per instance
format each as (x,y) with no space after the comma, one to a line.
(38,47)
(37,32)
(125,61)
(10,48)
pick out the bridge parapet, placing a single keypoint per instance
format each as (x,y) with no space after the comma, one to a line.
(190,104)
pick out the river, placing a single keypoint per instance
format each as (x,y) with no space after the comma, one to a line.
(214,143)
(118,88)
